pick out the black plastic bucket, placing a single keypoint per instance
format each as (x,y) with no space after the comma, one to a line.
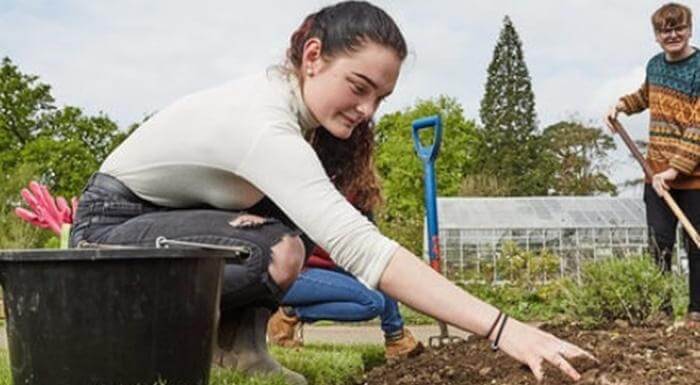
(111,316)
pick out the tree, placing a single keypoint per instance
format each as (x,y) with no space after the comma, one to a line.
(60,147)
(401,171)
(577,159)
(65,145)
(483,185)
(22,101)
(509,143)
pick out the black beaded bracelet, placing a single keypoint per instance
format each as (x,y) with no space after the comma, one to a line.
(494,345)
(500,313)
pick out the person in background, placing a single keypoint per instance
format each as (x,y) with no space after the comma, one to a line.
(671,93)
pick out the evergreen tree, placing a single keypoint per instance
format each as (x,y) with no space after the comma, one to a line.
(509,141)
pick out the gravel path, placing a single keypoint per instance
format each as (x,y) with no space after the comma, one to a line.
(349,334)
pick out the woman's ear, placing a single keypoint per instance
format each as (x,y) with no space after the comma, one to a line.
(311,59)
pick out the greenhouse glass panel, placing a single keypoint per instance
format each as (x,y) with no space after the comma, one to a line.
(474,232)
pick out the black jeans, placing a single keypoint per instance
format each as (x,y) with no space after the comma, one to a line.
(662,234)
(109,213)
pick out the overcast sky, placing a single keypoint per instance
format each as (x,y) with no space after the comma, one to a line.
(128,58)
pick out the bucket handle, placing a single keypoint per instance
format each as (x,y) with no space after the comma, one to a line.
(240,252)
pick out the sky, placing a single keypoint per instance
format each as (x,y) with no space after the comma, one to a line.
(129,58)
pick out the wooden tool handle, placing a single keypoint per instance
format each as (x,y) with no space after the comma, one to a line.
(692,233)
(633,148)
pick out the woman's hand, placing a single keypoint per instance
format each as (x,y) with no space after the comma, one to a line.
(441,299)
(533,346)
(658,181)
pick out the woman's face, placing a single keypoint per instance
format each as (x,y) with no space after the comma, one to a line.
(346,90)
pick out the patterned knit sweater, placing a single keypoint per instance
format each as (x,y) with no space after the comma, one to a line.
(671,92)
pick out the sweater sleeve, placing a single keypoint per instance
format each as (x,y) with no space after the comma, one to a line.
(285,168)
(687,155)
(637,101)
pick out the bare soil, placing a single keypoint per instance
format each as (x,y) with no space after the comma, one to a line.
(660,354)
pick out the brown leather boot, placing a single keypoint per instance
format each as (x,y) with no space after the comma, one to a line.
(402,346)
(693,320)
(285,330)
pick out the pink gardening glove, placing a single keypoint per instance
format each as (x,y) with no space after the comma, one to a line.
(45,211)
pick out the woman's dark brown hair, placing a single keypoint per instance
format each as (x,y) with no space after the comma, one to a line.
(349,164)
(344,28)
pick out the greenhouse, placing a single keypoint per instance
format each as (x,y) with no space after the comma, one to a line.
(556,234)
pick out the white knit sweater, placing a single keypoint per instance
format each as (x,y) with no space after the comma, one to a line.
(229,146)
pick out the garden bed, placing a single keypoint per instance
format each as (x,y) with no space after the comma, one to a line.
(662,354)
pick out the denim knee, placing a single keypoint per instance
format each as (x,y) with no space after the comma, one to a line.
(375,303)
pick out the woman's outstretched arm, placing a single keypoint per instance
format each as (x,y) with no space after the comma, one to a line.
(414,283)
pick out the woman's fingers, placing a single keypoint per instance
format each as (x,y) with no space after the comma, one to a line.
(556,352)
(247,220)
(571,351)
(558,359)
(536,368)
(560,362)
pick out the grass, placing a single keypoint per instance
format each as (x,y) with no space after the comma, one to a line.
(5,373)
(412,317)
(321,364)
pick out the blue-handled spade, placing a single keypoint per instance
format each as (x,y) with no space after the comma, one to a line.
(428,154)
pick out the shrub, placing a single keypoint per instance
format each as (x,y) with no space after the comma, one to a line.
(631,289)
(525,302)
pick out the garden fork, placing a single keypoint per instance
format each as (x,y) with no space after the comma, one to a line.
(428,154)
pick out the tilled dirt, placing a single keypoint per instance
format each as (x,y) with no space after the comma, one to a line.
(660,355)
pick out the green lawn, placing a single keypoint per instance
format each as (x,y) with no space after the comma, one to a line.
(322,364)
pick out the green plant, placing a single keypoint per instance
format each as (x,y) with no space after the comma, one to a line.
(519,266)
(543,301)
(631,289)
(412,317)
(14,233)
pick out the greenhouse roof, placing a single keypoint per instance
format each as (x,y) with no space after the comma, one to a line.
(540,212)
